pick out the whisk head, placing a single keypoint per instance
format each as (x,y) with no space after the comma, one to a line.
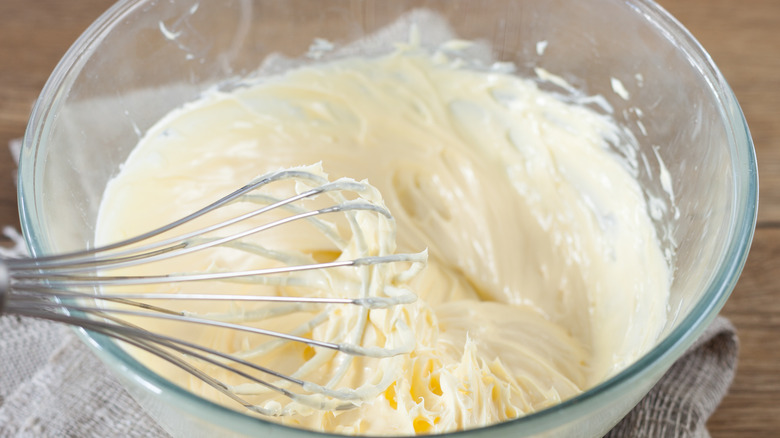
(294,285)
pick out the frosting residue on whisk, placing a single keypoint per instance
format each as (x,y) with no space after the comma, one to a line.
(362,238)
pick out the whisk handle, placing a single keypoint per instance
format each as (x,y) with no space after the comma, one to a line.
(5,284)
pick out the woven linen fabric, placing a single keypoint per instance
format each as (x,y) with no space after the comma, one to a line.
(679,405)
(69,394)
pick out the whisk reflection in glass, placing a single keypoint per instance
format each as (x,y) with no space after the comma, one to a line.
(115,290)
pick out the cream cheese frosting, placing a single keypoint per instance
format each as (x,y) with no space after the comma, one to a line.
(544,274)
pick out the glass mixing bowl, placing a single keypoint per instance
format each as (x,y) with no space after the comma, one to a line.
(143,58)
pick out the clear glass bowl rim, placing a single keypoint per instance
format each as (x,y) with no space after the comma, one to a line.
(743,220)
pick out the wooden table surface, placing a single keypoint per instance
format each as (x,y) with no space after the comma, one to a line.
(743,38)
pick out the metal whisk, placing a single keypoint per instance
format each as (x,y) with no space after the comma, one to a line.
(89,289)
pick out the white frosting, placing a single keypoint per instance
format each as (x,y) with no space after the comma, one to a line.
(544,275)
(619,88)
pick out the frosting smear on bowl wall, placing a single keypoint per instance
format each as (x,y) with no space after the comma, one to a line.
(544,277)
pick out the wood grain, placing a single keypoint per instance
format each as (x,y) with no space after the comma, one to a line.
(743,39)
(33,37)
